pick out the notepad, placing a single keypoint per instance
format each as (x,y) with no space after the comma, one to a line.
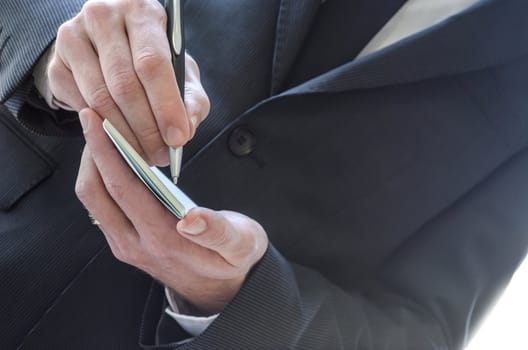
(167,193)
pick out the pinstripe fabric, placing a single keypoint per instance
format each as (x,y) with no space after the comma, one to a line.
(395,229)
(22,21)
(498,26)
(431,121)
(293,24)
(18,98)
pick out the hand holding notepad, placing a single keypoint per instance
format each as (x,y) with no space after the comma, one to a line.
(167,193)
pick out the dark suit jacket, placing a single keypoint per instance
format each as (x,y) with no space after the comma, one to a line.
(392,187)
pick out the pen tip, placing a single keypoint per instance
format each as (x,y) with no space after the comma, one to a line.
(175,180)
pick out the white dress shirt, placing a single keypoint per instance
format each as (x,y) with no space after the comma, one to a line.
(413,17)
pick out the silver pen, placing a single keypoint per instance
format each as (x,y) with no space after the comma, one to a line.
(174,9)
(175,156)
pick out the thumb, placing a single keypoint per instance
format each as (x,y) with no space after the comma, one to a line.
(237,238)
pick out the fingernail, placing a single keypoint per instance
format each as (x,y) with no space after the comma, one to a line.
(196,227)
(174,136)
(85,122)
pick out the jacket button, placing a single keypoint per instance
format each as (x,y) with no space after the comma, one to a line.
(242,141)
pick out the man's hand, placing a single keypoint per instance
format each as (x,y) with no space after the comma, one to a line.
(204,258)
(114,57)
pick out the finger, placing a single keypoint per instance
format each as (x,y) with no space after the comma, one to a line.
(76,51)
(111,41)
(62,85)
(197,103)
(152,62)
(144,211)
(118,230)
(238,239)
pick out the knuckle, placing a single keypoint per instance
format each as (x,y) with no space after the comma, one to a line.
(96,10)
(125,249)
(123,84)
(150,137)
(221,238)
(157,9)
(141,13)
(100,100)
(148,63)
(151,7)
(84,190)
(116,190)
(58,76)
(55,71)
(151,142)
(118,253)
(130,255)
(66,33)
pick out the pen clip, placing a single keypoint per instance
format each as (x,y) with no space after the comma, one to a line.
(175,34)
(176,27)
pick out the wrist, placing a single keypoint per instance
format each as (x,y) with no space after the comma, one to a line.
(206,298)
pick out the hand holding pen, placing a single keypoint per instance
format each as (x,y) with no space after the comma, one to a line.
(114,58)
(176,38)
(121,69)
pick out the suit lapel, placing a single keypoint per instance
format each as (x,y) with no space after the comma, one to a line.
(293,23)
(489,33)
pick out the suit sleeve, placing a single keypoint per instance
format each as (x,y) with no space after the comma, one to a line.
(26,29)
(429,295)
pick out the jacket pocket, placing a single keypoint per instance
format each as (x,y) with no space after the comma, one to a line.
(23,165)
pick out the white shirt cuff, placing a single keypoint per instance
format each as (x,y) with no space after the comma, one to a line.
(193,325)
